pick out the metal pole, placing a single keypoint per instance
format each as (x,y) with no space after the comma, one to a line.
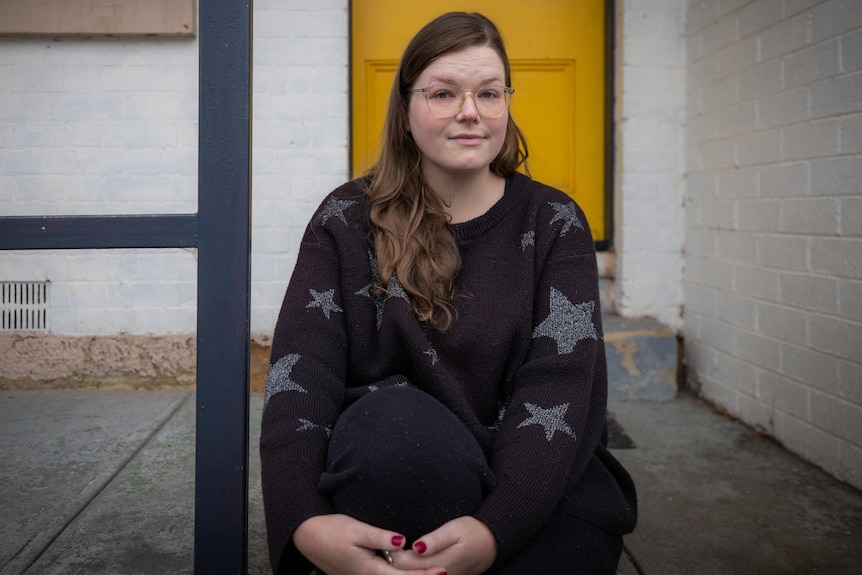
(224,245)
(98,232)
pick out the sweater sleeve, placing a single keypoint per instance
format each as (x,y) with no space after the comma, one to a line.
(555,415)
(304,393)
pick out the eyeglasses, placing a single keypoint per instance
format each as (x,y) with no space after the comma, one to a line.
(445,101)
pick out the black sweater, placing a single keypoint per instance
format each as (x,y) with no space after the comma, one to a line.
(523,366)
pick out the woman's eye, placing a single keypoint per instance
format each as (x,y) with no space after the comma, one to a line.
(442,95)
(489,94)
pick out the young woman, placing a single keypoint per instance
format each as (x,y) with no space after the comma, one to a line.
(436,401)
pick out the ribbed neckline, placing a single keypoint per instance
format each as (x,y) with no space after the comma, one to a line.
(512,196)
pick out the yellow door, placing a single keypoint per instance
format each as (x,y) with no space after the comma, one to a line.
(557,52)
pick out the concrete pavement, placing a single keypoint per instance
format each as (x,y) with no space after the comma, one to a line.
(103,482)
(718,497)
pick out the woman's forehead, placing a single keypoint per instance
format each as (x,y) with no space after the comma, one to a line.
(476,65)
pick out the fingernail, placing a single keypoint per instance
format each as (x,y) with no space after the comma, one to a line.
(420,547)
(398,540)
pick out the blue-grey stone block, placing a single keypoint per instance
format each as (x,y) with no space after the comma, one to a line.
(642,359)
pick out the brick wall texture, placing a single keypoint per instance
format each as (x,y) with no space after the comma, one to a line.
(649,157)
(109,126)
(773,246)
(101,126)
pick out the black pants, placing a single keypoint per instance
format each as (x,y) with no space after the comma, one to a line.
(398,459)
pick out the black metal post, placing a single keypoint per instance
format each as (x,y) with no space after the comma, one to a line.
(224,242)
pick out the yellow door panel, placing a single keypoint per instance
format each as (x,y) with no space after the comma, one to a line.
(556,48)
(550,141)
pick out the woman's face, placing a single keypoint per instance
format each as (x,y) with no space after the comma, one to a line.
(466,140)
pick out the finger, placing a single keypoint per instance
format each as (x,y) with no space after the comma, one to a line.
(382,567)
(436,541)
(372,537)
(428,571)
(372,540)
(409,563)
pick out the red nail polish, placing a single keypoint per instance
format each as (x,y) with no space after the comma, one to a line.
(397,540)
(420,547)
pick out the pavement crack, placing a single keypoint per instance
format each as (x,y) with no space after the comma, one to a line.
(34,548)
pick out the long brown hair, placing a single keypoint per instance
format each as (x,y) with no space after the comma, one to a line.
(412,237)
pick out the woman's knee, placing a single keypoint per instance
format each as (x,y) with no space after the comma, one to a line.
(399,459)
(401,430)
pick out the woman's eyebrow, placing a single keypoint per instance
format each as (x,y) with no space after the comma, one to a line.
(442,80)
(451,82)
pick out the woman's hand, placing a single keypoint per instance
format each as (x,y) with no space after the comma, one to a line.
(341,545)
(463,546)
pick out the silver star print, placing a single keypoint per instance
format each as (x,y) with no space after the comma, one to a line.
(568,213)
(432,353)
(501,413)
(278,379)
(378,296)
(308,425)
(567,323)
(552,419)
(324,301)
(335,208)
(528,239)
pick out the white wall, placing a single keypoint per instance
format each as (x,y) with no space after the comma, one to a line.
(301,135)
(773,288)
(109,126)
(649,114)
(101,126)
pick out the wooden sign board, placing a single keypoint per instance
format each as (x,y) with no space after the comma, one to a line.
(98,17)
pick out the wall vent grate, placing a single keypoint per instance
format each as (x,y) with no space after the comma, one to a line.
(24,306)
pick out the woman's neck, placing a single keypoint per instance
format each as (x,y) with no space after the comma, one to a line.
(469,196)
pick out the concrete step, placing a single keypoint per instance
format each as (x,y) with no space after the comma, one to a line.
(643,359)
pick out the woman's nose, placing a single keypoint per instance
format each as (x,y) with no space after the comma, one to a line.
(469,109)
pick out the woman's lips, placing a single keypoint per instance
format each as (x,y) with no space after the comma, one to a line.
(468,139)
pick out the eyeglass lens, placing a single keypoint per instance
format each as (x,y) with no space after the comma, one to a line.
(447,101)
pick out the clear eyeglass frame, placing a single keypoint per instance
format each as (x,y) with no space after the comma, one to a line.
(449,106)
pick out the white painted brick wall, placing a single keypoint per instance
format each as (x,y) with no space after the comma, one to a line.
(101,126)
(301,131)
(773,283)
(109,126)
(650,67)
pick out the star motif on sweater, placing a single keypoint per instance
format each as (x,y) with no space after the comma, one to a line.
(552,419)
(432,353)
(324,301)
(528,239)
(278,379)
(501,413)
(568,214)
(308,425)
(567,323)
(335,208)
(380,296)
